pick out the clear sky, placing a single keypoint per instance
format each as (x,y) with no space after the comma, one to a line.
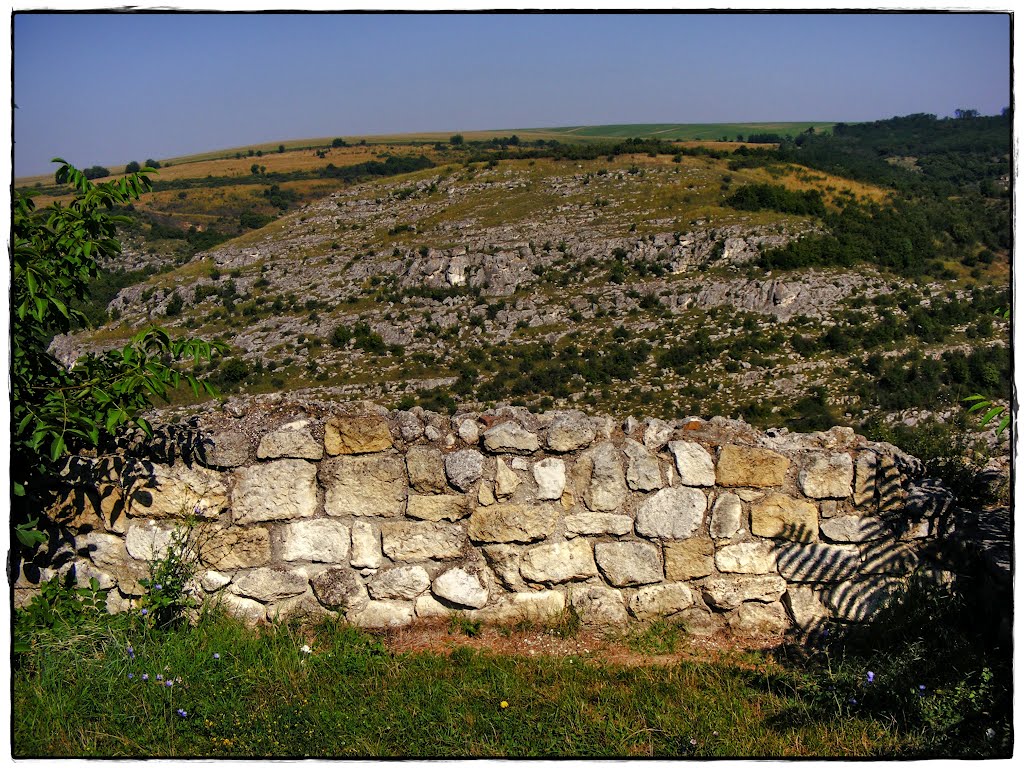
(107,88)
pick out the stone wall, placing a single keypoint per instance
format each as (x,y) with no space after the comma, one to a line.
(390,516)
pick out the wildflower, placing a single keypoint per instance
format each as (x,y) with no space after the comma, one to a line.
(158,586)
(871,677)
(159,677)
(131,651)
(182,713)
(216,655)
(144,612)
(145,678)
(306,649)
(131,676)
(853,702)
(504,705)
(920,690)
(693,742)
(169,683)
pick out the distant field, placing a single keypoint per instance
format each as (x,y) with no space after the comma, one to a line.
(682,131)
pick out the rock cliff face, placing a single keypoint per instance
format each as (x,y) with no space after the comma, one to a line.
(384,517)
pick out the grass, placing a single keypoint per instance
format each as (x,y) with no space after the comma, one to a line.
(329,690)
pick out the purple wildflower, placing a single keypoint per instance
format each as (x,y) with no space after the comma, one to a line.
(182,713)
(159,677)
(144,612)
(169,683)
(131,651)
(131,676)
(871,677)
(216,655)
(145,677)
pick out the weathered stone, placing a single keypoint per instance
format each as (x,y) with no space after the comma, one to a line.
(694,463)
(550,476)
(277,490)
(660,600)
(505,480)
(597,523)
(365,546)
(347,435)
(85,508)
(747,557)
(304,607)
(759,620)
(889,484)
(859,600)
(504,561)
(853,528)
(405,582)
(628,563)
(485,496)
(689,559)
(864,479)
(406,541)
(426,469)
(520,463)
(827,477)
(213,581)
(889,558)
(249,611)
(570,431)
(469,431)
(438,508)
(756,467)
(321,541)
(672,513)
(427,606)
(148,539)
(599,605)
(728,592)
(269,584)
(726,516)
(748,494)
(230,548)
(339,589)
(782,517)
(105,550)
(700,622)
(828,508)
(558,562)
(225,449)
(643,472)
(292,441)
(607,489)
(540,605)
(511,522)
(805,606)
(460,587)
(510,437)
(364,485)
(817,562)
(380,614)
(656,434)
(409,426)
(85,571)
(464,468)
(177,491)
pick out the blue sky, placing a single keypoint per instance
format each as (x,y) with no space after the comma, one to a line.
(109,88)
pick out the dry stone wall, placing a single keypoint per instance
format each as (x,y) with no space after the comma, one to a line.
(386,517)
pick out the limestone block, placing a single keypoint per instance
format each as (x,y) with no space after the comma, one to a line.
(827,477)
(464,468)
(538,606)
(365,545)
(105,550)
(87,508)
(643,471)
(889,484)
(426,469)
(805,606)
(485,496)
(847,528)
(468,431)
(230,548)
(660,600)
(628,563)
(728,592)
(864,479)
(550,476)
(284,489)
(85,571)
(558,562)
(409,426)
(817,562)
(321,541)
(597,523)
(227,449)
(269,584)
(726,516)
(860,600)
(501,523)
(700,622)
(759,620)
(437,508)
(779,516)
(689,559)
(214,581)
(599,605)
(408,541)
(304,606)
(339,589)
(404,582)
(461,588)
(364,485)
(505,480)
(694,463)
(380,614)
(747,557)
(249,611)
(672,513)
(889,558)
(292,441)
(740,465)
(347,435)
(828,508)
(510,437)
(570,431)
(656,434)
(607,489)
(504,561)
(428,606)
(148,539)
(177,491)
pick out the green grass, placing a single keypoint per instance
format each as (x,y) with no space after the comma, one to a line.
(330,690)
